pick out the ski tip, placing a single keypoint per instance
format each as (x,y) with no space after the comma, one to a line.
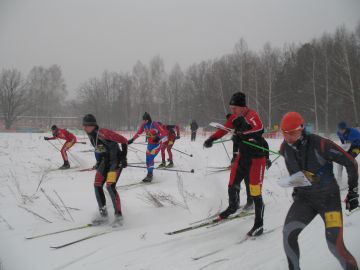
(169,233)
(191,155)
(192,171)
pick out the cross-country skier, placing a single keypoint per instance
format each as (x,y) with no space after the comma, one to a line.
(110,162)
(70,140)
(193,127)
(348,135)
(249,161)
(314,156)
(171,133)
(154,133)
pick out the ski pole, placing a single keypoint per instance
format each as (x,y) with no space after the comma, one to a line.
(190,155)
(262,148)
(136,150)
(225,150)
(142,167)
(81,142)
(221,141)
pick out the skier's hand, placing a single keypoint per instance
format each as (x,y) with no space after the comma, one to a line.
(268,163)
(46,138)
(130,141)
(156,139)
(240,124)
(352,199)
(208,143)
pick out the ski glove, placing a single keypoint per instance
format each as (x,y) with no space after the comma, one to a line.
(46,138)
(268,164)
(130,141)
(156,139)
(208,143)
(351,200)
(240,124)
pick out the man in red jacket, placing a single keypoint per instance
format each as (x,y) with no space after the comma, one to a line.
(70,140)
(249,162)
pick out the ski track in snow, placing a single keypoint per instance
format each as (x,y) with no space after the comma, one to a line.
(26,167)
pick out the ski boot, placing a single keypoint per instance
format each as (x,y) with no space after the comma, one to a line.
(170,165)
(162,165)
(102,217)
(118,220)
(148,178)
(65,166)
(234,203)
(256,230)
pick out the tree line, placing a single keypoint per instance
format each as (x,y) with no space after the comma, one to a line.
(320,79)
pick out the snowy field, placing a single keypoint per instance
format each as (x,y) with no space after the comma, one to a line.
(29,183)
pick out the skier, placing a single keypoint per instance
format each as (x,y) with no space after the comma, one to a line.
(249,161)
(193,127)
(350,136)
(70,140)
(154,133)
(171,133)
(314,156)
(110,162)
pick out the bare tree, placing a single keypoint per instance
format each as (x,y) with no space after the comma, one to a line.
(13,96)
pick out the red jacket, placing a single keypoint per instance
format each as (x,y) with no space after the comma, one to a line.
(64,135)
(251,131)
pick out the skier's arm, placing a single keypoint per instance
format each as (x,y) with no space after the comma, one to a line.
(112,136)
(220,132)
(335,153)
(139,132)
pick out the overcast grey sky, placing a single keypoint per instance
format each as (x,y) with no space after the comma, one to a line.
(85,37)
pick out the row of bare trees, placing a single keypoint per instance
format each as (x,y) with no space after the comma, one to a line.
(320,79)
(42,93)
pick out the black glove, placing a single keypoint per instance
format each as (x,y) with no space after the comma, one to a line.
(46,138)
(123,163)
(177,137)
(156,139)
(240,124)
(268,163)
(208,143)
(130,141)
(351,200)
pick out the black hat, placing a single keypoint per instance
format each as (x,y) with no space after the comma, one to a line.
(238,99)
(147,116)
(54,127)
(89,120)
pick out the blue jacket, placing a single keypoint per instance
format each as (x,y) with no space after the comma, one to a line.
(352,136)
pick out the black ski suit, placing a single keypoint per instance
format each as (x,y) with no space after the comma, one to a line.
(313,155)
(109,157)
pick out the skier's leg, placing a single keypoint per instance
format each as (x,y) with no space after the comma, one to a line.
(236,176)
(111,180)
(63,153)
(163,148)
(98,186)
(256,176)
(249,199)
(169,146)
(298,217)
(333,220)
(152,151)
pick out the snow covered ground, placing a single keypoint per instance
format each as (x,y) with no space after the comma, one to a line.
(27,182)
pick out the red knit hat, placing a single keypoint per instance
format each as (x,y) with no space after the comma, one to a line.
(292,121)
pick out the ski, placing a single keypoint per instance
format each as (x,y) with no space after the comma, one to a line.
(210,223)
(349,213)
(93,235)
(242,240)
(60,231)
(137,184)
